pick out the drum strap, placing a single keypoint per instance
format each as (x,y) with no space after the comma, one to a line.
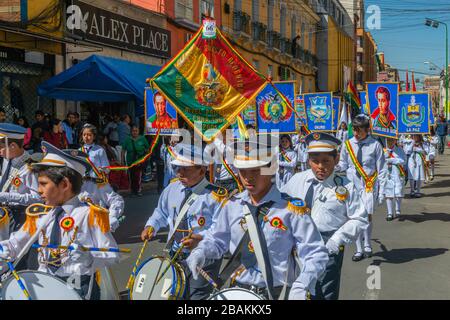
(260,247)
(196,191)
(235,260)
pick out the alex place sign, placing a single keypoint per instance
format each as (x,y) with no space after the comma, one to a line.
(100,26)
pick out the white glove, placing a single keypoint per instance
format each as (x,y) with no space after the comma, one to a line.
(332,247)
(81,256)
(297,293)
(381,198)
(195,259)
(114,223)
(4,253)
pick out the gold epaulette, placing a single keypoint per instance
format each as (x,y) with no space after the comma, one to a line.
(298,206)
(98,216)
(174,180)
(219,194)
(4,217)
(33,212)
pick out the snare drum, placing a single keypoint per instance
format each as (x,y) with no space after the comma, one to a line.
(235,294)
(40,286)
(172,285)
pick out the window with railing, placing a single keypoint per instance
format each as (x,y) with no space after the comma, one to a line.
(184,9)
(259,31)
(241,22)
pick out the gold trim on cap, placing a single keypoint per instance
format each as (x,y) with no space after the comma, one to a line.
(53,161)
(322,146)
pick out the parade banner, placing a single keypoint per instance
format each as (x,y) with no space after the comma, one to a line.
(383,105)
(319,111)
(300,118)
(413,113)
(430,108)
(364,103)
(249,114)
(273,112)
(159,114)
(209,83)
(336,111)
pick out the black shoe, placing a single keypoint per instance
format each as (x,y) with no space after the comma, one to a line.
(357,257)
(367,254)
(389,218)
(418,195)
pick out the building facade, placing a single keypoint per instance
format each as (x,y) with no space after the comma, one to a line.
(369,65)
(432,84)
(335,47)
(39,39)
(29,33)
(277,37)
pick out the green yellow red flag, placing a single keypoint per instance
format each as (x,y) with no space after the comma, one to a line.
(209,83)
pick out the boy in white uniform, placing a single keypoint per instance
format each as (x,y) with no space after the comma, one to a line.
(362,159)
(336,207)
(393,180)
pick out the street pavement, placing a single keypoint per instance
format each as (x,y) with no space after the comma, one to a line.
(410,259)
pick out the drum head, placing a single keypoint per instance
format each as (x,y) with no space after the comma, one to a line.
(170,287)
(235,294)
(40,286)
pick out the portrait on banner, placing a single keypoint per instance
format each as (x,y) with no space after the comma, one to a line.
(383,103)
(159,113)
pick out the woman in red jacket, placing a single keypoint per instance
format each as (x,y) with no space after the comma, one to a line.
(56,136)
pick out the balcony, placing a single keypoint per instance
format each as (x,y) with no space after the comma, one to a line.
(241,22)
(259,31)
(273,39)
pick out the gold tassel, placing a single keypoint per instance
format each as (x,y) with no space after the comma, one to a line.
(30,224)
(98,277)
(100,217)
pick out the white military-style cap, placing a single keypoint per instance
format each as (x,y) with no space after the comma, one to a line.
(253,154)
(55,157)
(187,155)
(321,142)
(12,131)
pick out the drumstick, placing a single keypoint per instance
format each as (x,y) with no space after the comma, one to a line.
(53,246)
(136,265)
(174,258)
(207,278)
(19,281)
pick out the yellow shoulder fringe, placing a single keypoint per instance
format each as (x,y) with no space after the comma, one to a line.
(99,216)
(300,210)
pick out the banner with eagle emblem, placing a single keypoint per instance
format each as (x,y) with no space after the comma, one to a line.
(274,114)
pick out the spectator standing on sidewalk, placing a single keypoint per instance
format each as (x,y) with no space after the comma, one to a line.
(123,128)
(22,121)
(56,135)
(111,131)
(442,132)
(136,146)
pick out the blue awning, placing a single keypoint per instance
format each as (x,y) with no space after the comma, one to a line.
(100,78)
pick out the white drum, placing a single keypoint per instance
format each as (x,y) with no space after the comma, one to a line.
(235,294)
(172,285)
(40,286)
(107,284)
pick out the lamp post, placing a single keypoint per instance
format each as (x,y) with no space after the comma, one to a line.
(435,24)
